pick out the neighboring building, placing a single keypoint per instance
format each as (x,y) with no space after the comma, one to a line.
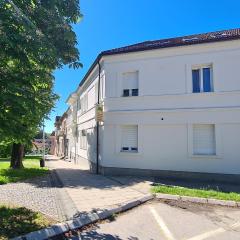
(170,106)
(52,138)
(38,146)
(61,136)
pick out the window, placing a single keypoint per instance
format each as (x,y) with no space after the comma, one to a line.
(129,141)
(84,103)
(83,139)
(134,92)
(204,140)
(78,104)
(202,79)
(130,84)
(91,98)
(126,92)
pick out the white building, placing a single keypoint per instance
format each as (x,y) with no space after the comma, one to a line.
(170,107)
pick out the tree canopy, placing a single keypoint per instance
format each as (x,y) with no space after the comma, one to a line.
(36,37)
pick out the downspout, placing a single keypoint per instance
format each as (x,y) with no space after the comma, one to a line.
(98,101)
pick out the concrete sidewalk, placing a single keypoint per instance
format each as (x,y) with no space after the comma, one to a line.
(88,192)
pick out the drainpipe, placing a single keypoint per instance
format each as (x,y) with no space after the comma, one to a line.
(98,101)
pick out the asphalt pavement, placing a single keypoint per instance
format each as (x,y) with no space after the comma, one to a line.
(169,221)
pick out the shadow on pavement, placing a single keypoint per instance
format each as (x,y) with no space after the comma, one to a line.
(98,236)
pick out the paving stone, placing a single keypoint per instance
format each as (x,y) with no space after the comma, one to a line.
(89,191)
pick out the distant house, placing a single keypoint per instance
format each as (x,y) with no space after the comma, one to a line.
(169,107)
(38,145)
(61,142)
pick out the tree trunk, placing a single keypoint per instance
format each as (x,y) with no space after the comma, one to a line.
(17,155)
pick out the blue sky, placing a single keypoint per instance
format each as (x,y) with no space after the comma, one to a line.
(113,23)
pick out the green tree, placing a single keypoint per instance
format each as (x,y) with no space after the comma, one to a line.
(36,38)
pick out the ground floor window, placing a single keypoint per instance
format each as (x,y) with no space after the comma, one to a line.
(83,139)
(129,138)
(204,139)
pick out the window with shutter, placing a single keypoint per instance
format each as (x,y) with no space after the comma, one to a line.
(204,142)
(129,139)
(83,139)
(91,97)
(130,84)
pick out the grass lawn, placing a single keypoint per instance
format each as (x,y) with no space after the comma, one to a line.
(204,193)
(31,169)
(15,221)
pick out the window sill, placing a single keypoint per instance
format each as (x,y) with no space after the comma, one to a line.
(205,156)
(210,92)
(131,153)
(129,96)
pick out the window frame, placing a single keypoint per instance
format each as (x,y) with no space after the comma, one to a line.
(200,68)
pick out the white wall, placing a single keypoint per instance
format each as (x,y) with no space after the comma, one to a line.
(168,71)
(166,108)
(165,147)
(86,119)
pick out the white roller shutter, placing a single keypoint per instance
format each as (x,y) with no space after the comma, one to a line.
(91,97)
(129,138)
(204,139)
(130,80)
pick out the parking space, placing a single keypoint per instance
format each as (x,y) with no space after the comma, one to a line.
(170,221)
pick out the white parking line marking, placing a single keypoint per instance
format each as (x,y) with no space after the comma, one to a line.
(214,232)
(162,225)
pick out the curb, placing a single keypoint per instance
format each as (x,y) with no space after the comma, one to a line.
(209,201)
(82,221)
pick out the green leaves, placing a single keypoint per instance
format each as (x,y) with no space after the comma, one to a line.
(36,38)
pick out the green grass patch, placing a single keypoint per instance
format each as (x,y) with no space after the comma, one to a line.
(15,221)
(31,169)
(193,192)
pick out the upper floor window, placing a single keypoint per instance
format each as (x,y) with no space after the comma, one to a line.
(78,104)
(84,103)
(130,84)
(202,80)
(91,97)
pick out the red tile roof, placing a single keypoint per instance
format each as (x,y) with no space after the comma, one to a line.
(178,41)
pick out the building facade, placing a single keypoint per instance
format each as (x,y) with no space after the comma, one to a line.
(169,107)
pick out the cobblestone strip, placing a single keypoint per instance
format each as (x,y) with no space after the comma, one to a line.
(38,194)
(68,209)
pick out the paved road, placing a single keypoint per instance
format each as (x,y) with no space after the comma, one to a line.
(169,221)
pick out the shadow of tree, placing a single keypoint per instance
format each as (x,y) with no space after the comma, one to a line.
(14,175)
(15,221)
(93,234)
